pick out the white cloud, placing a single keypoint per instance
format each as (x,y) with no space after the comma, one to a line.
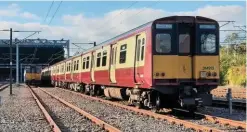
(13,10)
(29,15)
(79,28)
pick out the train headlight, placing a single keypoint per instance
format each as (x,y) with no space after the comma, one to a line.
(203,74)
(162,74)
(208,74)
(157,74)
(214,74)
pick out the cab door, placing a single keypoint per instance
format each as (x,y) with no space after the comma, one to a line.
(113,63)
(185,48)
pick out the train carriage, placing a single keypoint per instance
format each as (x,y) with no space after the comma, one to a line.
(169,62)
(32,75)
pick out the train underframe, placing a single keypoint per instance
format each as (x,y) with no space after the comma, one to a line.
(33,82)
(183,96)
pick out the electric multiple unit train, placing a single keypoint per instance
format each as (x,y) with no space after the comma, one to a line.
(169,62)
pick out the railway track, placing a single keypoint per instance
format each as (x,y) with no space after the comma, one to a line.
(3,86)
(63,116)
(236,104)
(206,123)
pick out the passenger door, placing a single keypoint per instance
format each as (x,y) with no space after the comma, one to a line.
(92,66)
(139,56)
(185,48)
(113,63)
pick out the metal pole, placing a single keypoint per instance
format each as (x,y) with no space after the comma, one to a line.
(21,73)
(10,57)
(229,98)
(17,64)
(68,50)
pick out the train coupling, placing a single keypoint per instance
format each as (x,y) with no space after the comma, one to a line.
(199,102)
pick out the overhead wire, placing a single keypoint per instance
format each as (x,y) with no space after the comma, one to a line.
(151,5)
(43,21)
(55,12)
(102,25)
(48,12)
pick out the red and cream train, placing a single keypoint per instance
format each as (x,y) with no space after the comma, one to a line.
(169,62)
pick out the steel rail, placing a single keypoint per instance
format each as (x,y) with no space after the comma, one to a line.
(224,121)
(54,126)
(225,104)
(94,119)
(186,124)
(3,87)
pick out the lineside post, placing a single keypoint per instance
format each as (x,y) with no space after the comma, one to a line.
(10,58)
(229,99)
(17,64)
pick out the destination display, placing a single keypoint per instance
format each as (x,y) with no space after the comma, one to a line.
(163,26)
(204,26)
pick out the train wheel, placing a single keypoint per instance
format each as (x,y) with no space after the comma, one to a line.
(92,90)
(157,102)
(82,88)
(192,110)
(139,105)
(87,89)
(98,91)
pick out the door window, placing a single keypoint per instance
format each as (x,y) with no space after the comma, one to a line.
(87,63)
(123,51)
(104,58)
(138,49)
(142,49)
(184,43)
(98,59)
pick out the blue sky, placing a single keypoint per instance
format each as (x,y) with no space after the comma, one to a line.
(83,21)
(98,9)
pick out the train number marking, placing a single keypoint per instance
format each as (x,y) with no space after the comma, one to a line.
(208,68)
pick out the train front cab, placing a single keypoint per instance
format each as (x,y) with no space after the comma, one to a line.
(185,60)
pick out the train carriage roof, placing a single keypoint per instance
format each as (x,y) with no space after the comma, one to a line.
(173,18)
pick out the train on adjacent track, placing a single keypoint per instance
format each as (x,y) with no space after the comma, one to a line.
(32,75)
(169,62)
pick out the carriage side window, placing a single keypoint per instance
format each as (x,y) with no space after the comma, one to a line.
(142,49)
(138,49)
(98,59)
(208,43)
(163,43)
(87,64)
(184,43)
(123,54)
(104,58)
(84,63)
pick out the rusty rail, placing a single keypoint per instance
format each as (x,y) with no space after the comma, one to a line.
(54,126)
(84,113)
(3,87)
(186,124)
(224,121)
